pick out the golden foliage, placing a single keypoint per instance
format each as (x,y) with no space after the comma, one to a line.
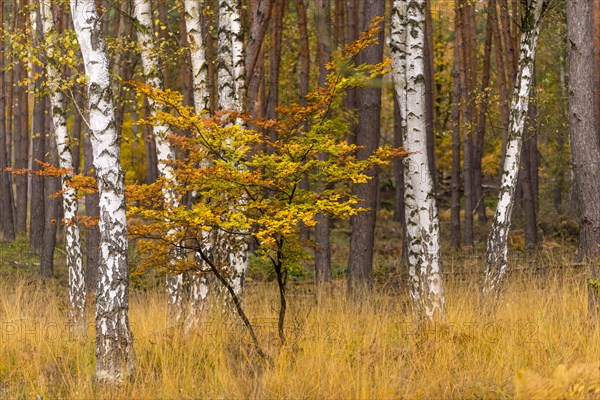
(247,183)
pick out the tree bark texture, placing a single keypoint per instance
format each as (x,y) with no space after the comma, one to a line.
(115,357)
(585,151)
(6,191)
(362,239)
(323,227)
(77,290)
(407,43)
(497,246)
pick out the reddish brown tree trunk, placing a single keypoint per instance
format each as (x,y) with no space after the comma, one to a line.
(585,150)
(52,185)
(20,135)
(429,91)
(275,59)
(362,239)
(465,47)
(255,56)
(6,192)
(323,227)
(528,173)
(456,125)
(483,109)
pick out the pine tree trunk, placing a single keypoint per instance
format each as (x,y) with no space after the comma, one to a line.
(362,239)
(560,181)
(528,173)
(51,185)
(20,144)
(483,109)
(304,53)
(597,59)
(58,108)
(497,247)
(37,211)
(275,59)
(255,56)
(455,173)
(585,151)
(430,91)
(422,218)
(502,78)
(6,192)
(323,227)
(115,357)
(466,78)
(150,144)
(352,32)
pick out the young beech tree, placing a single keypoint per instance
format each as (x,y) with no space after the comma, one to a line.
(265,172)
(497,246)
(115,357)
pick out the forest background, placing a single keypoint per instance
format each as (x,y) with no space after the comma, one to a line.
(471,62)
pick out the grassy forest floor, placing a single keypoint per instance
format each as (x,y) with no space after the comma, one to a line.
(337,348)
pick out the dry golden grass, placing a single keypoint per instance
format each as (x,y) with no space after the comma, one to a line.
(337,348)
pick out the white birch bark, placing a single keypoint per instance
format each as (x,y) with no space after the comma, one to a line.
(497,247)
(77,292)
(422,224)
(231,85)
(115,358)
(398,48)
(231,71)
(193,26)
(142,12)
(198,284)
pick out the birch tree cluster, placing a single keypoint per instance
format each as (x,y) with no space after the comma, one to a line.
(210,137)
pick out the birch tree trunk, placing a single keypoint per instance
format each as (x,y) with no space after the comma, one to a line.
(193,26)
(231,87)
(198,283)
(231,75)
(115,356)
(142,12)
(408,25)
(497,248)
(77,290)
